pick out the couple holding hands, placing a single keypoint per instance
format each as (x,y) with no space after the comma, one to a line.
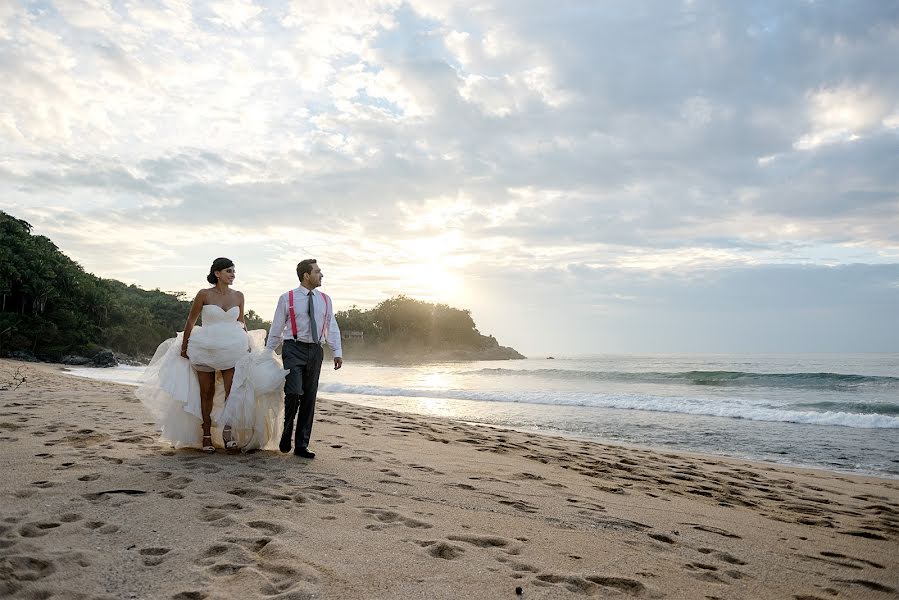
(220,373)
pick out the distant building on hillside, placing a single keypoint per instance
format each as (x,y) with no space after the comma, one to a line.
(351,336)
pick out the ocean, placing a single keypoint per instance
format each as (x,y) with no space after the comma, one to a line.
(827,411)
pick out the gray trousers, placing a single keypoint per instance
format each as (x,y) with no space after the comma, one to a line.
(301,387)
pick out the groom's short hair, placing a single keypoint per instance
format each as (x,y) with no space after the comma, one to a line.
(305,266)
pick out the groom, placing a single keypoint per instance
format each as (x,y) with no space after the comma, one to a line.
(304,319)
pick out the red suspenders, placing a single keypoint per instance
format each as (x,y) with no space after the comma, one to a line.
(293,317)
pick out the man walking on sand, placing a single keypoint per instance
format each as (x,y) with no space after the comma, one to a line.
(304,320)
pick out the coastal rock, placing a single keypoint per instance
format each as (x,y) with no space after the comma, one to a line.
(75,360)
(104,358)
(23,355)
(132,361)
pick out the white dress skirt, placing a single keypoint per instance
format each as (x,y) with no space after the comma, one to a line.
(170,389)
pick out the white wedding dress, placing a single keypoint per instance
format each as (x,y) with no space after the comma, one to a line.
(170,390)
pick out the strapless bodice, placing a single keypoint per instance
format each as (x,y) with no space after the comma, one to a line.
(213,314)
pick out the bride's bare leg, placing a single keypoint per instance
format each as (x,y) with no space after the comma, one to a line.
(207,394)
(227,378)
(227,436)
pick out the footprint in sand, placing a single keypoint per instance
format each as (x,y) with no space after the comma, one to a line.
(520,505)
(26,568)
(359,458)
(463,486)
(33,530)
(870,585)
(217,514)
(865,534)
(661,537)
(322,494)
(488,541)
(442,550)
(256,565)
(249,493)
(594,584)
(101,527)
(123,496)
(715,530)
(849,561)
(228,506)
(70,517)
(426,469)
(722,556)
(179,483)
(266,527)
(191,595)
(517,567)
(704,572)
(153,556)
(216,518)
(394,482)
(390,518)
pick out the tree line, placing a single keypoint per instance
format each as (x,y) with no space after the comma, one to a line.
(50,306)
(406,322)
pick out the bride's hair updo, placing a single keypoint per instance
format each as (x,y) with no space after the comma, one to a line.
(219,264)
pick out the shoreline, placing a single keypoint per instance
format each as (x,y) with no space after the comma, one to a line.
(572,436)
(398,505)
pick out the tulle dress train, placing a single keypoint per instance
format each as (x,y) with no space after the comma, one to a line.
(170,390)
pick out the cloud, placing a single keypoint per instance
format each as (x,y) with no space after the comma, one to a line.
(648,138)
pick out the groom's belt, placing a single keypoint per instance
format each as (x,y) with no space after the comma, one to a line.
(293,341)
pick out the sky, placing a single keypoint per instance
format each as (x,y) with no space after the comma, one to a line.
(585,177)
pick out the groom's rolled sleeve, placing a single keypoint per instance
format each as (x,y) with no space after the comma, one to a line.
(279,320)
(334,338)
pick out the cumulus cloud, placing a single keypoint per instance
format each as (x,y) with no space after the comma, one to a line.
(641,137)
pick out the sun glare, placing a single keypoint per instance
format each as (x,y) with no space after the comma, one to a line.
(435,381)
(432,272)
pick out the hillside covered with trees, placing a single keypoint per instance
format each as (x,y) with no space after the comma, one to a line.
(405,328)
(50,307)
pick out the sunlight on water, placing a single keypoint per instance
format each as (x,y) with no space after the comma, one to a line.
(838,412)
(436,381)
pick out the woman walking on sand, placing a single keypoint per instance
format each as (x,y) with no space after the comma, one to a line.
(215,373)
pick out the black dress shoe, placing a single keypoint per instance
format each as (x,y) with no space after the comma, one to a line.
(304,453)
(286,438)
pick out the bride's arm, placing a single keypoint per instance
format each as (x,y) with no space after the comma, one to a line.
(240,316)
(195,309)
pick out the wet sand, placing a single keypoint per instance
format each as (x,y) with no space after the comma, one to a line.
(403,506)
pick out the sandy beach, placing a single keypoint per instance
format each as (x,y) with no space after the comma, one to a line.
(402,506)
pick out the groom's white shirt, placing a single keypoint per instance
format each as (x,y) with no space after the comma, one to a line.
(281,321)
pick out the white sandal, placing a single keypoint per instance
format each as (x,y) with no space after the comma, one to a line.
(230,444)
(208,448)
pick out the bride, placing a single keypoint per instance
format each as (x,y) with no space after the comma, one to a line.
(215,373)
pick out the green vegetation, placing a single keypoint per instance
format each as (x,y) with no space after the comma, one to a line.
(49,306)
(404,328)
